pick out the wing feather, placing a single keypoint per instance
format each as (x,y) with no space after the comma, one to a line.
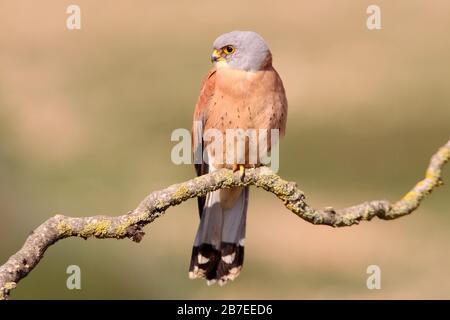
(201,114)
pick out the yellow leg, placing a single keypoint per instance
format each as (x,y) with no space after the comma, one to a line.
(241,170)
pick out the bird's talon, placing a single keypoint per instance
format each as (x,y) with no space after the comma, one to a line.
(241,171)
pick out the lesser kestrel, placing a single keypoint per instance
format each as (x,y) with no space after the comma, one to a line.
(241,91)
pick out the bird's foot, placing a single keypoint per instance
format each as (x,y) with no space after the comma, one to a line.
(241,171)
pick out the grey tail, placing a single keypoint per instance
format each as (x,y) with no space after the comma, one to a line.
(218,252)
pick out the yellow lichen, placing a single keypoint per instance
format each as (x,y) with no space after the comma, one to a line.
(410,196)
(421,184)
(430,174)
(160,203)
(121,229)
(181,193)
(98,229)
(279,188)
(9,285)
(228,177)
(445,153)
(64,229)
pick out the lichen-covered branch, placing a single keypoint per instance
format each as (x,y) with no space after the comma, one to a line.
(130,225)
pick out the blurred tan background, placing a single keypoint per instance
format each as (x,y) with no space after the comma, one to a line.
(86,118)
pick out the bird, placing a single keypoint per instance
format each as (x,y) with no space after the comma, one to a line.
(242,90)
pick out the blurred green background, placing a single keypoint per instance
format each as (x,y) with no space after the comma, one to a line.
(86,118)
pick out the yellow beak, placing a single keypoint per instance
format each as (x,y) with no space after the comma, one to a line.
(217,56)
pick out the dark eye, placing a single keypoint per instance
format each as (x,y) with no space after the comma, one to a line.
(228,49)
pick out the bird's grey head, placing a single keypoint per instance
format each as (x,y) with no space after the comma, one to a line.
(245,50)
